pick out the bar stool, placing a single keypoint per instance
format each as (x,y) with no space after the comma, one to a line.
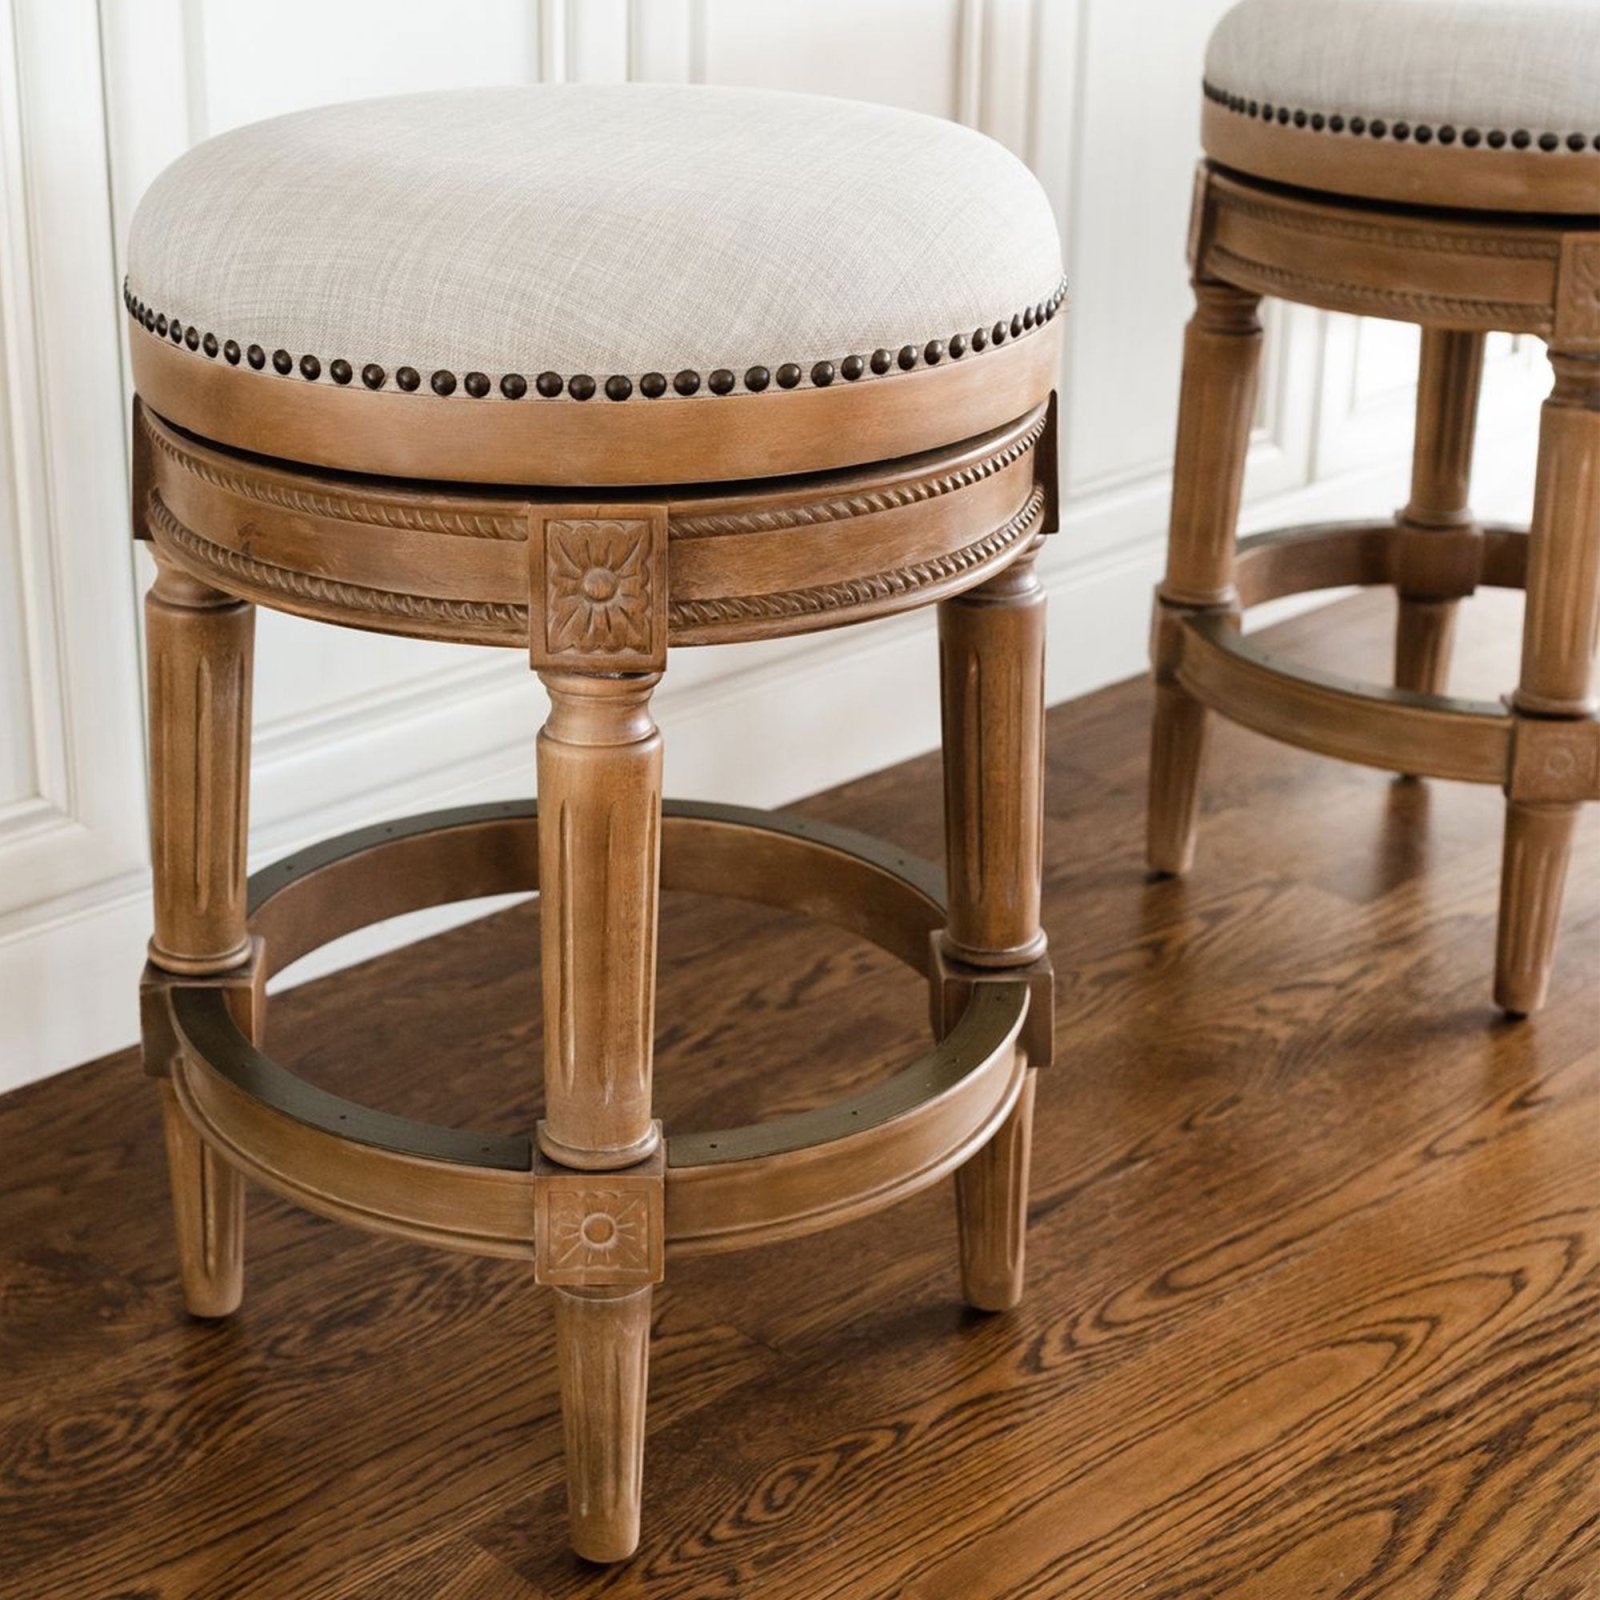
(588,371)
(1437,162)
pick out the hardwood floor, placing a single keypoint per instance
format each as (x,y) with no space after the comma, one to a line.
(1314,1296)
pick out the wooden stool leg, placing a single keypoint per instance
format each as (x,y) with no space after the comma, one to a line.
(1221,358)
(1449,376)
(599,861)
(992,679)
(602,1353)
(199,644)
(1555,745)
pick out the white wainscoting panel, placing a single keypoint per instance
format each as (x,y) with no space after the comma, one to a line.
(1099,96)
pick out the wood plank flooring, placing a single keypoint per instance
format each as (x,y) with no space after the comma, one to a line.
(1314,1302)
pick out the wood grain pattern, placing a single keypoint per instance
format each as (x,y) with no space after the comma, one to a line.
(1313,1257)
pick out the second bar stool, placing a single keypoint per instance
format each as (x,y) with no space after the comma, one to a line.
(1437,163)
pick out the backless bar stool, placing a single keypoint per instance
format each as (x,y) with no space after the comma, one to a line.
(586,371)
(1435,161)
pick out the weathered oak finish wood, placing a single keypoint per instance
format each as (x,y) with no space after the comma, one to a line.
(1560,632)
(199,644)
(1221,364)
(603,1357)
(1310,1264)
(599,871)
(991,664)
(705,439)
(1449,376)
(1459,276)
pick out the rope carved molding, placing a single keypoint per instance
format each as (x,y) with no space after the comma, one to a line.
(509,622)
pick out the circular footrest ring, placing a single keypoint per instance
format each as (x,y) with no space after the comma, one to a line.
(474,1192)
(1432,735)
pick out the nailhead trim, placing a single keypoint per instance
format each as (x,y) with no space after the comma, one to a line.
(619,386)
(1378,127)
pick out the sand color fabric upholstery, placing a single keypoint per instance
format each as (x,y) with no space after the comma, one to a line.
(590,229)
(1508,66)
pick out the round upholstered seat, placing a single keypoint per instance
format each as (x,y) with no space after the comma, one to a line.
(530,284)
(1469,103)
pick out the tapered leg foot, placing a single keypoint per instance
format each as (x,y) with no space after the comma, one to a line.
(602,1352)
(1177,748)
(208,1210)
(1424,632)
(1533,874)
(992,1210)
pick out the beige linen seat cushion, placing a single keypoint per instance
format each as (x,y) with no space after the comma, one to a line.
(646,243)
(1444,102)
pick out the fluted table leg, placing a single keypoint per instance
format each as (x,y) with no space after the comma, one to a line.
(199,643)
(601,1175)
(992,641)
(1221,356)
(1555,744)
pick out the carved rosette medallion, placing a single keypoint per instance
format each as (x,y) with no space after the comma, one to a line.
(598,588)
(599,1229)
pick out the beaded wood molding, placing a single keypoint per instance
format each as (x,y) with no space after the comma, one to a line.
(581,386)
(1498,274)
(585,587)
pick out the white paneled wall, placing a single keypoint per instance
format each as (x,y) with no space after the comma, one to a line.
(1101,96)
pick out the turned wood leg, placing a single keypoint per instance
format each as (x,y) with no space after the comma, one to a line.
(1448,380)
(1221,357)
(199,643)
(601,1176)
(1556,751)
(992,679)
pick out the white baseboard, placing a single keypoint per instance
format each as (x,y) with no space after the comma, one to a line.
(757,725)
